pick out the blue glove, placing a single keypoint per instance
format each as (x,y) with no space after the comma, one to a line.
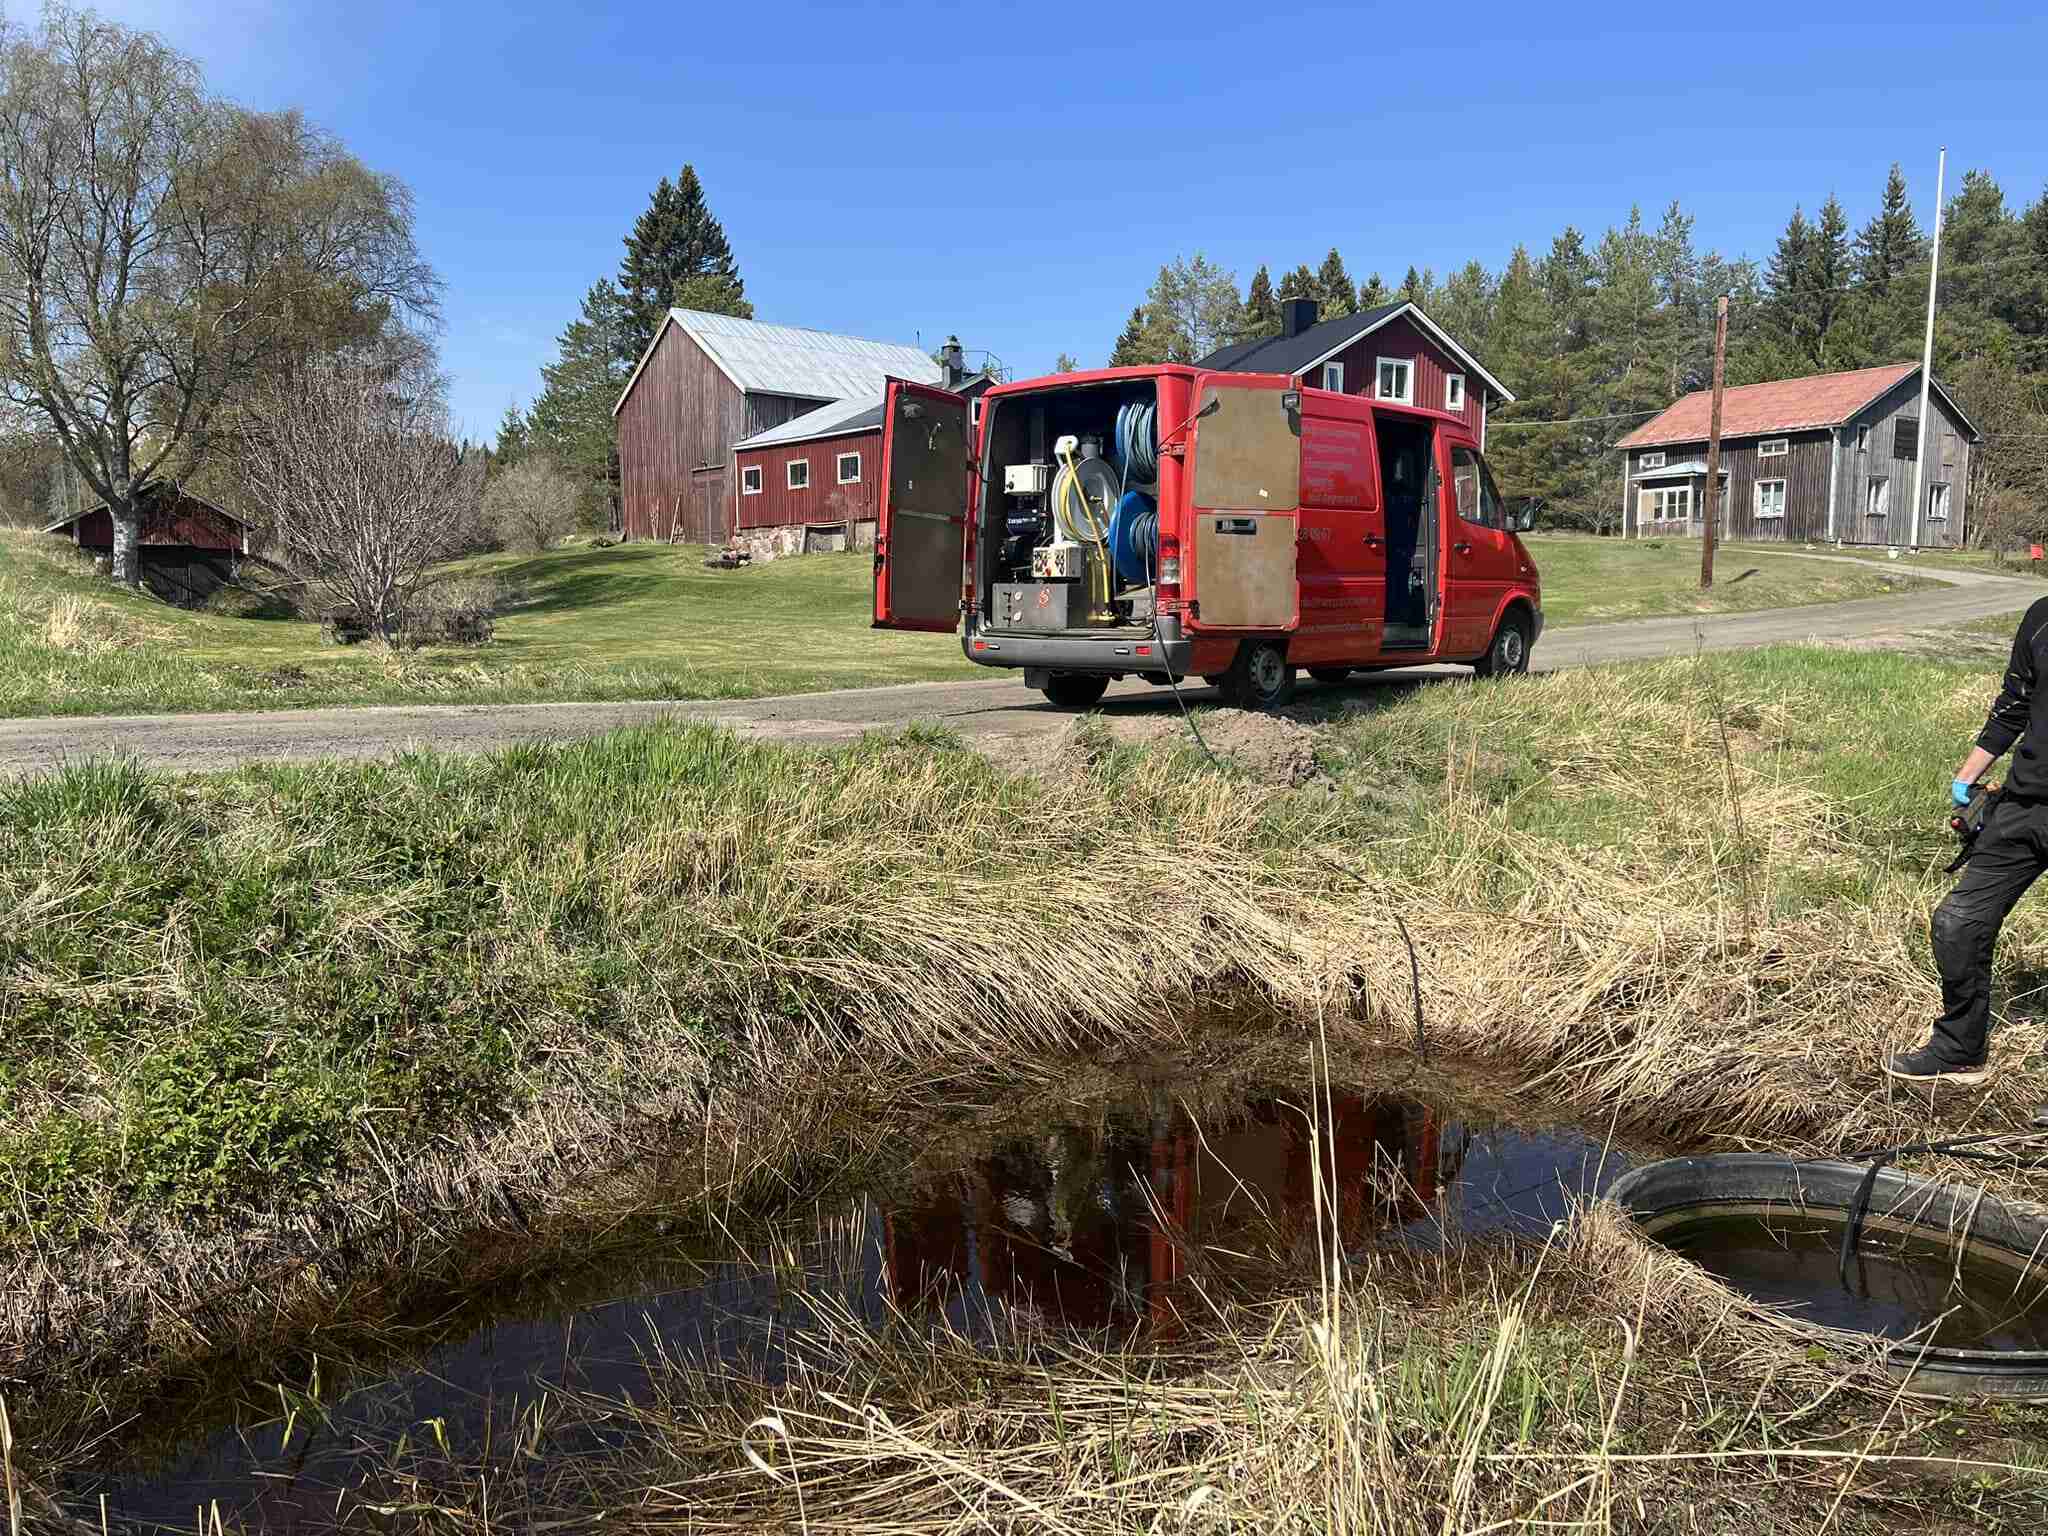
(1959,791)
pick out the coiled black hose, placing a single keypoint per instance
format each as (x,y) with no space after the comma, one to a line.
(1137,442)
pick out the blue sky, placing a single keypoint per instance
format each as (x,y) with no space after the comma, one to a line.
(1018,176)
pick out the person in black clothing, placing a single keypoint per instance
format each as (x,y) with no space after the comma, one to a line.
(2011,853)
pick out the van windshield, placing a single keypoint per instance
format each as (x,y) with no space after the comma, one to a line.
(1248,449)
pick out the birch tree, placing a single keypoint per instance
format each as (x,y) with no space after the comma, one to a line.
(162,251)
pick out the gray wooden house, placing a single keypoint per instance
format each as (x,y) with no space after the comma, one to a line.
(1825,459)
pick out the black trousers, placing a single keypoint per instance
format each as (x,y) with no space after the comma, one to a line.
(2012,851)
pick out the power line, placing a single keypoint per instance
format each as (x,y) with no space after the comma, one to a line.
(1567,421)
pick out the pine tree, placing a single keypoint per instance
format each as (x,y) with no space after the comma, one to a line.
(1793,332)
(1372,293)
(1261,309)
(1066,363)
(1130,351)
(674,240)
(712,293)
(512,432)
(571,419)
(1191,309)
(1301,284)
(1464,306)
(1333,288)
(1412,286)
(1891,242)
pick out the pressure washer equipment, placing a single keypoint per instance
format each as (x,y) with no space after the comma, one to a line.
(1083,492)
(1968,823)
(1134,537)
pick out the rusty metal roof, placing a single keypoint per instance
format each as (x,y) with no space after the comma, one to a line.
(1788,405)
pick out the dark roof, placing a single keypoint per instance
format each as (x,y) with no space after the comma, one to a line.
(152,490)
(1298,353)
(1783,405)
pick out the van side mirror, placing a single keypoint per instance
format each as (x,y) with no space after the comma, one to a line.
(1525,519)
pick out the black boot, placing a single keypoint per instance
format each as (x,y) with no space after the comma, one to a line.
(1928,1065)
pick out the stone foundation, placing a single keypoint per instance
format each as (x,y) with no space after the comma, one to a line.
(764,544)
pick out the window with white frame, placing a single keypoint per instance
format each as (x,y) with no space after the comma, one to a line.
(1396,380)
(1937,503)
(1671,504)
(849,469)
(799,473)
(1651,461)
(750,480)
(1454,392)
(1770,500)
(1333,377)
(1771,448)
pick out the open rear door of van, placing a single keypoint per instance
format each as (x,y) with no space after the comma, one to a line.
(921,521)
(1245,456)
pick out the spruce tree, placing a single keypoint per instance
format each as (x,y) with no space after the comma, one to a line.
(1333,287)
(1301,284)
(1412,286)
(674,241)
(1129,351)
(1261,309)
(1891,242)
(1372,293)
(571,419)
(512,429)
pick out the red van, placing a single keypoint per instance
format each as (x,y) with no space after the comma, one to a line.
(1231,526)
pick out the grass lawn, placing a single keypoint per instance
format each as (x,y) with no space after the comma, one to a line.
(641,621)
(1589,580)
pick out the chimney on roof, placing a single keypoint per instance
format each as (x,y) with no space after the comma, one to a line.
(1297,315)
(952,364)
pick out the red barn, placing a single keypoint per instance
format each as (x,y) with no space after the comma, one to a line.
(190,547)
(810,484)
(707,381)
(1390,352)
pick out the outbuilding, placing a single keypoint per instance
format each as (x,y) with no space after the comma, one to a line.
(190,546)
(1830,457)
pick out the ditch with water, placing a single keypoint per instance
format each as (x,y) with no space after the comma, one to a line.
(1087,1218)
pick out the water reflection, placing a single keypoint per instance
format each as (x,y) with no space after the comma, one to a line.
(1089,1220)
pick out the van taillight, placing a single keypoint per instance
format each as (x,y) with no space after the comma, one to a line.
(1169,570)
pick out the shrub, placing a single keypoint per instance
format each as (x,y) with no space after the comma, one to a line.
(530,505)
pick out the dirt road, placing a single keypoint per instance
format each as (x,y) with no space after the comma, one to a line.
(994,708)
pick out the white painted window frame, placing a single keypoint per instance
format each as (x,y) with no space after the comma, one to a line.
(789,469)
(1650,461)
(750,472)
(1773,448)
(1333,377)
(1454,392)
(839,468)
(1407,367)
(1761,514)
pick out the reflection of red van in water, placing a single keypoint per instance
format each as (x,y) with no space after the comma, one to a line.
(1138,522)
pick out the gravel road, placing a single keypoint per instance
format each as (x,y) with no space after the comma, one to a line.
(997,707)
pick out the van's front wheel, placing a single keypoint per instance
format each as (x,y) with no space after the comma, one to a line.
(1508,656)
(1260,678)
(1074,690)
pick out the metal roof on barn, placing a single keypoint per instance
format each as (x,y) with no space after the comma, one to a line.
(791,360)
(836,420)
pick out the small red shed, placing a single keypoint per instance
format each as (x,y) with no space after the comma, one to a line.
(190,546)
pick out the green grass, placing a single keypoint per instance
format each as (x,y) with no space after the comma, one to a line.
(1590,580)
(647,621)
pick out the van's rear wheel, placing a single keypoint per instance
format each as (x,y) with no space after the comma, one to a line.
(1330,674)
(1508,656)
(1260,678)
(1074,690)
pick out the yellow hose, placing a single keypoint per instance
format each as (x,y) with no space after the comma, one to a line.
(1095,528)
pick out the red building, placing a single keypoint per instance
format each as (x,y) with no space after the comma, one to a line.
(810,484)
(189,548)
(707,381)
(1391,352)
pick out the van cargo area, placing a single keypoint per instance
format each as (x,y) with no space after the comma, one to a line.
(1069,519)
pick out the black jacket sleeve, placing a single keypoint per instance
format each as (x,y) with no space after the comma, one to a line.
(2010,709)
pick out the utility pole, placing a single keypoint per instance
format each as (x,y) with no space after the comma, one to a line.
(1711,512)
(1927,354)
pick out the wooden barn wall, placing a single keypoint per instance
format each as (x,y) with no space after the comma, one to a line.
(825,501)
(1948,458)
(185,523)
(1404,338)
(676,431)
(1803,467)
